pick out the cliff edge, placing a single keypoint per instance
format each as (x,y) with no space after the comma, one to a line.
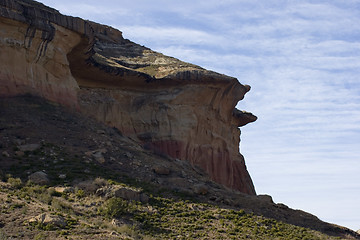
(169,106)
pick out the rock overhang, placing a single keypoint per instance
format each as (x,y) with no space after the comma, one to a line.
(188,111)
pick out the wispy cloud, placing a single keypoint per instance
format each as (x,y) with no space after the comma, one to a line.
(170,35)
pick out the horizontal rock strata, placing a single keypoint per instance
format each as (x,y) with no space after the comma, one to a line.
(169,106)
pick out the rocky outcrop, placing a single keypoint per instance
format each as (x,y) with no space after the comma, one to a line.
(169,106)
(40,178)
(45,219)
(122,192)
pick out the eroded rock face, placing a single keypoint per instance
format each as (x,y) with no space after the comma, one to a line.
(34,61)
(169,106)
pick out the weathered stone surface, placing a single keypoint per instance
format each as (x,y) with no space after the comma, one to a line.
(29,147)
(62,176)
(5,154)
(90,186)
(265,198)
(131,194)
(201,189)
(97,155)
(39,178)
(161,170)
(123,192)
(169,106)
(64,189)
(33,64)
(46,219)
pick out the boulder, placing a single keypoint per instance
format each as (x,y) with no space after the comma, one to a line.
(64,189)
(40,178)
(29,147)
(47,219)
(265,198)
(97,155)
(123,192)
(131,194)
(161,170)
(62,176)
(200,189)
(5,154)
(89,186)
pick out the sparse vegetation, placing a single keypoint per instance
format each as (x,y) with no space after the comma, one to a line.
(15,182)
(114,208)
(3,235)
(72,193)
(161,218)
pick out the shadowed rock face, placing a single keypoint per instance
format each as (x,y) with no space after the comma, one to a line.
(169,106)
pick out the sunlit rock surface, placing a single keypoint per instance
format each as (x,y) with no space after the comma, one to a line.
(169,106)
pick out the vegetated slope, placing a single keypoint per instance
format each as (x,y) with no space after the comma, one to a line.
(93,183)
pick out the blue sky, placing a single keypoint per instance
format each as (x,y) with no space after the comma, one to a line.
(302,59)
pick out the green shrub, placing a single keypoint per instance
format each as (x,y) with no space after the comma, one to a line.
(114,208)
(15,182)
(44,227)
(80,193)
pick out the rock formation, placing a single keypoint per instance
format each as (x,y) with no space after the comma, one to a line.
(169,106)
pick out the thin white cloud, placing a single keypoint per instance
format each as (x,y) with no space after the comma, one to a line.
(170,35)
(85,8)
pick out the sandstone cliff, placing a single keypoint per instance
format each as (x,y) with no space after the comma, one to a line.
(172,107)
